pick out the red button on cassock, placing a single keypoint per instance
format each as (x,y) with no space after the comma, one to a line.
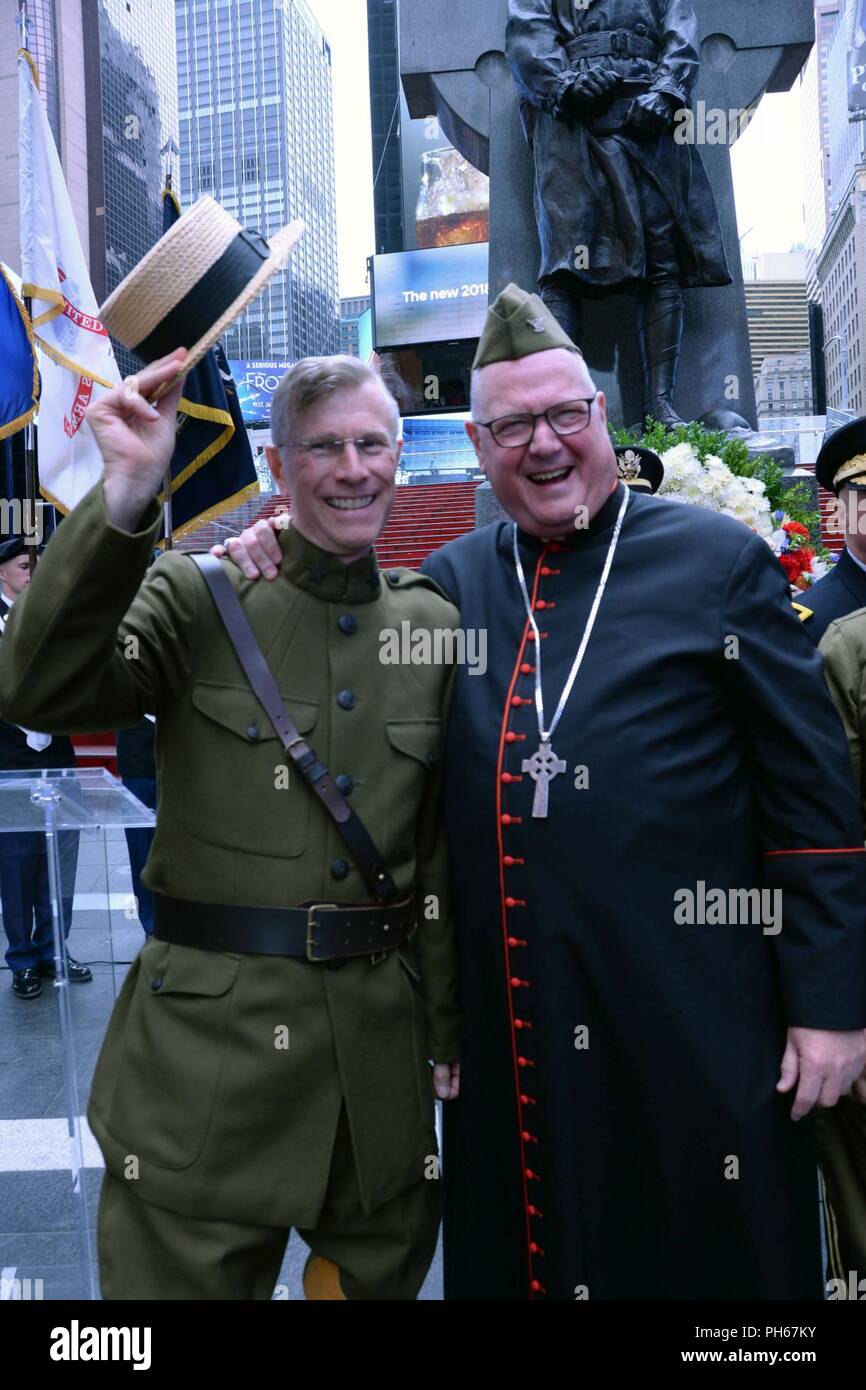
(526,669)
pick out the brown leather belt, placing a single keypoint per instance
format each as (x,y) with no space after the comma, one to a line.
(613,43)
(315,931)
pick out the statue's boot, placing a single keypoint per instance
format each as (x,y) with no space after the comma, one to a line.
(322,1279)
(660,319)
(558,293)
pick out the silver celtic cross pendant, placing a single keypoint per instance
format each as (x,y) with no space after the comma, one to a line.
(542,767)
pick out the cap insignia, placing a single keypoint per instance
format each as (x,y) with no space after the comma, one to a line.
(629,466)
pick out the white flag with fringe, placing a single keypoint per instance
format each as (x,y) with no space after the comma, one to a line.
(75,354)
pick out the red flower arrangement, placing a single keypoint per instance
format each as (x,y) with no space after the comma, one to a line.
(797,564)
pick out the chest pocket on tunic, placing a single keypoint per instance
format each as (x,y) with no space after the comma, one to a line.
(415,749)
(235,792)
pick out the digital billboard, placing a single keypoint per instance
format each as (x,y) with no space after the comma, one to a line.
(256,383)
(431,296)
(446,201)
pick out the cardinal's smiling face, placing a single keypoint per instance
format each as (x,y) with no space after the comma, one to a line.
(545,484)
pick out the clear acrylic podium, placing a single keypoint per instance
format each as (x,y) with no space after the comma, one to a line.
(50,1166)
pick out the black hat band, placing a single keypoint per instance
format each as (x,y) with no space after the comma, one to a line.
(196,313)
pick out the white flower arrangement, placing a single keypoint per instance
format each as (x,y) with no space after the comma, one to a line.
(711,484)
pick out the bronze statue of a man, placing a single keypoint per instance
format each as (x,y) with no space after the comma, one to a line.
(621,202)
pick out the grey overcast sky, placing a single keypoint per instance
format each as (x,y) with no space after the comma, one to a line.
(767,160)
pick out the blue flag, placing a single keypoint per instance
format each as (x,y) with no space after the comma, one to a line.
(212,467)
(19,379)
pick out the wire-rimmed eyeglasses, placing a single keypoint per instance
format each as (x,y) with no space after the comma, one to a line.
(369,446)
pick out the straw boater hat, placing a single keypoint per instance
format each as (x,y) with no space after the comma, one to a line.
(194,283)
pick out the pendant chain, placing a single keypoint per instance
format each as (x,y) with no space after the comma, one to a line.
(546,736)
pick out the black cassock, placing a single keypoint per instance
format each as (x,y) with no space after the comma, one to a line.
(649,1157)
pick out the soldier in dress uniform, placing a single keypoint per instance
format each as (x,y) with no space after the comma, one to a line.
(832,615)
(24,887)
(841,469)
(267,1064)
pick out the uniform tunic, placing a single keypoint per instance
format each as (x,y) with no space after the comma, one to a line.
(226,1073)
(838,593)
(649,1156)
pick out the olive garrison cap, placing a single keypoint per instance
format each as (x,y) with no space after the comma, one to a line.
(519,324)
(842,460)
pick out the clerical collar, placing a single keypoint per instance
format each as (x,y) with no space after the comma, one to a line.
(604,520)
(324,575)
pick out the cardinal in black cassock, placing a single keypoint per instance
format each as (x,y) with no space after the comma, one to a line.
(619,1132)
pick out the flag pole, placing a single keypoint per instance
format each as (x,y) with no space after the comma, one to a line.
(166,477)
(30,459)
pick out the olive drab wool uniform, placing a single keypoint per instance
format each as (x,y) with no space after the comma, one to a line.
(842,1130)
(233,1078)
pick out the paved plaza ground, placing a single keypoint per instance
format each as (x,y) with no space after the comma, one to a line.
(40,1213)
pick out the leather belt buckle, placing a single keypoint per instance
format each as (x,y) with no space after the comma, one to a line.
(311,929)
(619,44)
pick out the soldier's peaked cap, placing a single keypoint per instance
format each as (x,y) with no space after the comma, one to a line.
(842,460)
(518,325)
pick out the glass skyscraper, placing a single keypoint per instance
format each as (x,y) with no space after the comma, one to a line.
(256,132)
(385,124)
(42,42)
(131,86)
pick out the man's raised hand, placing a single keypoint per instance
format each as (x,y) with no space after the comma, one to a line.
(136,439)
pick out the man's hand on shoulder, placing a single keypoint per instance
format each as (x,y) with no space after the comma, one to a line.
(256,551)
(136,439)
(822,1065)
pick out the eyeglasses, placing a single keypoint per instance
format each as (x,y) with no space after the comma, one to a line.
(513,431)
(368,446)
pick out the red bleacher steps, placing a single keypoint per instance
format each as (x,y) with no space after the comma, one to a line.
(423,518)
(832,540)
